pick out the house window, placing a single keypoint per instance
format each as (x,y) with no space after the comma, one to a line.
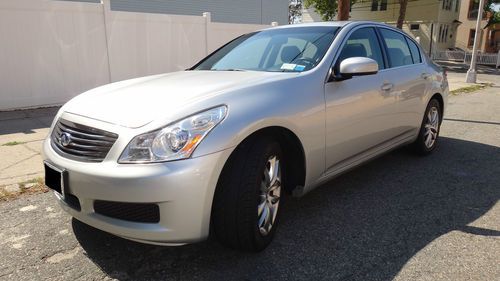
(447,4)
(414,26)
(470,43)
(445,35)
(374,5)
(383,5)
(474,10)
(440,33)
(457,4)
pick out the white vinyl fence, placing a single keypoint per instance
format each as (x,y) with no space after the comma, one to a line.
(466,57)
(51,51)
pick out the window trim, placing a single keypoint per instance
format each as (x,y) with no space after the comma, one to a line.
(377,28)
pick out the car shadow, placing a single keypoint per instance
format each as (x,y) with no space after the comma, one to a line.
(364,225)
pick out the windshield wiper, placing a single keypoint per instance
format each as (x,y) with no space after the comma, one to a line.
(230,69)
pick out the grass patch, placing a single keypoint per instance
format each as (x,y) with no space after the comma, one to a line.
(33,186)
(470,89)
(12,143)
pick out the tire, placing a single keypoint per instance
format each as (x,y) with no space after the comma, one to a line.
(239,209)
(429,129)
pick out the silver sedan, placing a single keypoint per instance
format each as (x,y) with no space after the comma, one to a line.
(171,158)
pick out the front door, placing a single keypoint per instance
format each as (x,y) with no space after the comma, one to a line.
(360,111)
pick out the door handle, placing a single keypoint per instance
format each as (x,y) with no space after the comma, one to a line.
(425,75)
(387,86)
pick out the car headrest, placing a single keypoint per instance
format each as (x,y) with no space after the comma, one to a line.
(353,50)
(288,53)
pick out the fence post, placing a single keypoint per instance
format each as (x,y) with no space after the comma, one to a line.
(498,60)
(208,19)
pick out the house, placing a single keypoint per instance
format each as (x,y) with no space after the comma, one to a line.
(227,11)
(490,36)
(425,19)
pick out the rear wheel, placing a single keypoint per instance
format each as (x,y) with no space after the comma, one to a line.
(246,204)
(429,130)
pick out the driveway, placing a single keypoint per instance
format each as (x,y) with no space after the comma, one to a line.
(399,217)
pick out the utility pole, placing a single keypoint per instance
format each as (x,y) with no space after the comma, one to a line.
(471,73)
(343,9)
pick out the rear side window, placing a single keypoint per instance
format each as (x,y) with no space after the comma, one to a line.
(415,53)
(398,51)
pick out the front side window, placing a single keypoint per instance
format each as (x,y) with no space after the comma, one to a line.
(284,49)
(363,43)
(397,49)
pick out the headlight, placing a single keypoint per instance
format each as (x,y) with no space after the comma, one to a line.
(174,142)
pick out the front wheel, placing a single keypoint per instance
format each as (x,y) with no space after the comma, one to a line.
(429,130)
(247,199)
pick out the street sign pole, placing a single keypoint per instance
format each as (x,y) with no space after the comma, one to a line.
(471,73)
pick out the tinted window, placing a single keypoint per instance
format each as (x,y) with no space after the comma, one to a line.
(283,49)
(363,43)
(397,48)
(415,53)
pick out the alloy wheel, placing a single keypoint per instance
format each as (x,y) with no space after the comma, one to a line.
(269,196)
(431,127)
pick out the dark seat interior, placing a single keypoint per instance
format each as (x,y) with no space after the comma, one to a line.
(353,50)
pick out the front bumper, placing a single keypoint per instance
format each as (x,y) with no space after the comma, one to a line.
(183,191)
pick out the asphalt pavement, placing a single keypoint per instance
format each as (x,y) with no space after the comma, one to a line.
(399,217)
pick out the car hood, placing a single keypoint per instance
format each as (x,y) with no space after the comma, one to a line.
(136,102)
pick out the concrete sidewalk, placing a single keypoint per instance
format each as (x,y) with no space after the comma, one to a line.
(21,136)
(457,72)
(22,133)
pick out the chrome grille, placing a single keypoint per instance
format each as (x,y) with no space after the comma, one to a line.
(80,142)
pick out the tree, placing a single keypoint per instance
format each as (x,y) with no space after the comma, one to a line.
(343,9)
(327,9)
(402,13)
(492,14)
(294,11)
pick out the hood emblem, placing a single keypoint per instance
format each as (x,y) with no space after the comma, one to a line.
(65,139)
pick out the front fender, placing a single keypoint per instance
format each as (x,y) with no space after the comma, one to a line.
(297,109)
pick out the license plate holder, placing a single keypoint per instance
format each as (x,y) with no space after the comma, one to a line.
(56,178)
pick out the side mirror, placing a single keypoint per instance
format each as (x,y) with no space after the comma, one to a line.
(357,66)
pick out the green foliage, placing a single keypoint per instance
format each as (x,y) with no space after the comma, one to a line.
(327,9)
(495,15)
(12,143)
(294,11)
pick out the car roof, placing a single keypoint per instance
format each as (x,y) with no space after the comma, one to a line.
(330,23)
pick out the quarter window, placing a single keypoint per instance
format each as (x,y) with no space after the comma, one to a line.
(397,48)
(415,53)
(363,43)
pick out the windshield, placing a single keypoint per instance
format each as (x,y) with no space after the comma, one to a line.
(284,49)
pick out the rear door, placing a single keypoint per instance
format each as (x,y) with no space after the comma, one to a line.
(406,78)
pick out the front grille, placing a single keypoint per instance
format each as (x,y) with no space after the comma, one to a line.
(80,142)
(135,212)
